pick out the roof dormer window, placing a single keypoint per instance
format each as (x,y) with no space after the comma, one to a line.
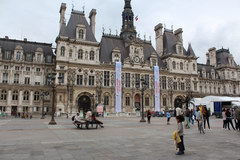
(81,34)
(18,56)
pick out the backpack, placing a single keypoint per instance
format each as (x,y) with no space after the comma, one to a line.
(73,117)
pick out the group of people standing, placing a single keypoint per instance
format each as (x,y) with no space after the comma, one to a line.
(228,116)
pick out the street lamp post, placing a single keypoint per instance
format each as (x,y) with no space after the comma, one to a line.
(52,78)
(43,96)
(144,83)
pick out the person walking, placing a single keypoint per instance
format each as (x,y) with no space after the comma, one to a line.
(229,119)
(149,116)
(224,118)
(206,117)
(168,118)
(237,114)
(187,114)
(181,146)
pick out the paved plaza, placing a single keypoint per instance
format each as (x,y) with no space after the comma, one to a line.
(120,139)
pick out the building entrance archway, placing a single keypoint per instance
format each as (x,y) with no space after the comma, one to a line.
(137,101)
(178,102)
(84,103)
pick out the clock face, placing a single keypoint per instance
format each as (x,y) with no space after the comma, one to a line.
(136,59)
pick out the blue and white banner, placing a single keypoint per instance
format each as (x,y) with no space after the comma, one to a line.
(118,88)
(157,88)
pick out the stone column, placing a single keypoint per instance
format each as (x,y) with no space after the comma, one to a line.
(9,98)
(31,98)
(20,97)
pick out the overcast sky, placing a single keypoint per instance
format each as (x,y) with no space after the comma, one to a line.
(205,23)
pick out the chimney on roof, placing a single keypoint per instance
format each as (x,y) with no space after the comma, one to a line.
(178,34)
(92,17)
(159,39)
(25,39)
(211,56)
(6,37)
(62,15)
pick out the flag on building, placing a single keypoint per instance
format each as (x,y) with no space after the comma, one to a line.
(136,18)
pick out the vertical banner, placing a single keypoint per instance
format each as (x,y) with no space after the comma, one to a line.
(157,88)
(118,88)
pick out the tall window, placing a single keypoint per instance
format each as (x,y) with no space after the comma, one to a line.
(15,96)
(36,96)
(164,101)
(8,55)
(106,100)
(38,57)
(195,86)
(174,85)
(137,80)
(62,78)
(62,51)
(146,101)
(49,59)
(174,64)
(17,68)
(80,54)
(127,80)
(182,86)
(38,69)
(16,78)
(127,101)
(91,81)
(5,78)
(4,95)
(26,96)
(5,67)
(28,69)
(18,56)
(81,34)
(194,67)
(181,66)
(79,80)
(70,53)
(106,78)
(27,80)
(147,80)
(91,56)
(164,82)
(29,57)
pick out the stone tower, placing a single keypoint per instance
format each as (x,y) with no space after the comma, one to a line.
(128,31)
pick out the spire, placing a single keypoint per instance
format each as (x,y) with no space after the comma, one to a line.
(128,31)
(127,4)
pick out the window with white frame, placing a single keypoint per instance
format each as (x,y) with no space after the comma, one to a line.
(16,78)
(3,95)
(36,96)
(25,95)
(27,80)
(106,78)
(81,34)
(38,57)
(91,81)
(79,80)
(15,96)
(62,52)
(18,56)
(91,55)
(5,78)
(80,54)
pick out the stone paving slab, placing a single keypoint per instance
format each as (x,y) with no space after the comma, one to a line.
(120,139)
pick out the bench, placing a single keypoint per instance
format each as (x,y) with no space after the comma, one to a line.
(86,123)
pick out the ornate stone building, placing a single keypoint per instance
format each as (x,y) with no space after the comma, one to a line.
(88,67)
(24,66)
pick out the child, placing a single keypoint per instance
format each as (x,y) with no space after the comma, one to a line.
(181,147)
(168,118)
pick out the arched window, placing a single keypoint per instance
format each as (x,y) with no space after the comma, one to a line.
(194,67)
(26,96)
(80,54)
(15,96)
(63,51)
(36,96)
(81,34)
(18,56)
(174,64)
(70,53)
(92,56)
(4,95)
(181,66)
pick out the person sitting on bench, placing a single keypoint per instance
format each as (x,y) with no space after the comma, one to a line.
(96,120)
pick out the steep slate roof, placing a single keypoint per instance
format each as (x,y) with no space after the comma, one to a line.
(109,43)
(28,47)
(77,17)
(190,51)
(169,43)
(222,56)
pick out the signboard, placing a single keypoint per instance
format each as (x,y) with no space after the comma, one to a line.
(100,108)
(157,88)
(118,88)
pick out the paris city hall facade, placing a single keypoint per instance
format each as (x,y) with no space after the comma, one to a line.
(87,68)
